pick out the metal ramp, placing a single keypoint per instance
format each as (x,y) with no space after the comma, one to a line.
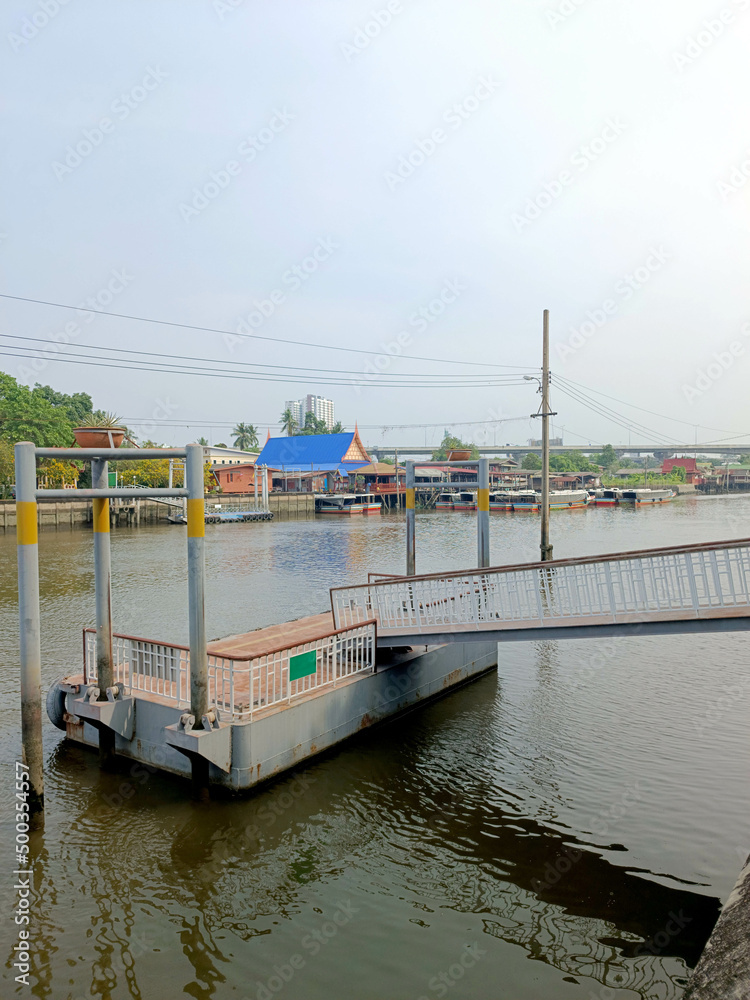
(687,588)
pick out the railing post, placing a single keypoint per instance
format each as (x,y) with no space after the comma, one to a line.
(483,514)
(264,493)
(196,530)
(103,596)
(30,634)
(410,521)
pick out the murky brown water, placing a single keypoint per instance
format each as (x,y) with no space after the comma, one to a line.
(563,829)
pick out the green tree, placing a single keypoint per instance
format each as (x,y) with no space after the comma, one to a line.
(532,462)
(452,443)
(245,436)
(313,425)
(288,423)
(7,467)
(338,428)
(220,445)
(77,407)
(27,415)
(607,458)
(202,441)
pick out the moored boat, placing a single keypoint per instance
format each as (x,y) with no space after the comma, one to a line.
(371,504)
(608,498)
(445,501)
(502,499)
(465,500)
(558,500)
(644,496)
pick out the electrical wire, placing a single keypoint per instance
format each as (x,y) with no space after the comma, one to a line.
(248,336)
(122,364)
(242,364)
(611,415)
(663,416)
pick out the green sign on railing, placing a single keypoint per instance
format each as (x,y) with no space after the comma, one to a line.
(303,665)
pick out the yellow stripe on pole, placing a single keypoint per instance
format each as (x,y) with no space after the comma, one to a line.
(26,527)
(101,515)
(196,519)
(483,499)
(410,498)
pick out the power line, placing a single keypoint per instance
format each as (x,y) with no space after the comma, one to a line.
(248,336)
(123,364)
(609,414)
(241,364)
(664,416)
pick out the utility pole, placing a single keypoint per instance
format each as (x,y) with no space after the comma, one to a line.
(545,547)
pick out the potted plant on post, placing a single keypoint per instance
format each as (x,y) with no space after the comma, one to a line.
(101,430)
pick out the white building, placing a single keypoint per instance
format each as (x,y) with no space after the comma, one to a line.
(319,406)
(295,406)
(228,456)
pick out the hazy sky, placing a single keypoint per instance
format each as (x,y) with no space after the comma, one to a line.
(324,170)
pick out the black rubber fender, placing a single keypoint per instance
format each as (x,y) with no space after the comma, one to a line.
(56,705)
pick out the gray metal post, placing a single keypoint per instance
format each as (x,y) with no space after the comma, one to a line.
(30,634)
(196,530)
(103,593)
(483,514)
(410,521)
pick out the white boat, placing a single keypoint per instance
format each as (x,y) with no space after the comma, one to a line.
(348,503)
(640,497)
(558,500)
(465,500)
(445,501)
(608,498)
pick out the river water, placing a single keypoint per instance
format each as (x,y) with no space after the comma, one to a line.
(563,828)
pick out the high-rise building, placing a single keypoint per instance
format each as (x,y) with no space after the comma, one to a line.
(295,406)
(319,406)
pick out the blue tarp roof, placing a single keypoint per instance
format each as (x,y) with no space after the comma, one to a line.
(319,452)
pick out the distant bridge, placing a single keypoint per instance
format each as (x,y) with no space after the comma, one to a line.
(684,588)
(516,450)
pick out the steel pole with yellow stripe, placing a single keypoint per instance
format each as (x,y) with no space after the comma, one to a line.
(483,513)
(410,521)
(196,530)
(103,598)
(30,635)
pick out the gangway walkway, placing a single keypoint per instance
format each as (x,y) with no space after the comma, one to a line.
(684,588)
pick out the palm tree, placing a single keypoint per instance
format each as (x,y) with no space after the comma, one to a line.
(245,436)
(288,423)
(338,428)
(203,442)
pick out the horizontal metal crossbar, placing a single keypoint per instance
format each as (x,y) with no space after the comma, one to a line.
(132,493)
(111,454)
(669,587)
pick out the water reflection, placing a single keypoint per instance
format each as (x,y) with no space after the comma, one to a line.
(473,811)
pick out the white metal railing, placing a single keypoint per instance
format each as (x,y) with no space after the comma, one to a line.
(244,689)
(239,688)
(684,581)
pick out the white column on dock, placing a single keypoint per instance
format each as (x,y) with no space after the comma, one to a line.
(30,628)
